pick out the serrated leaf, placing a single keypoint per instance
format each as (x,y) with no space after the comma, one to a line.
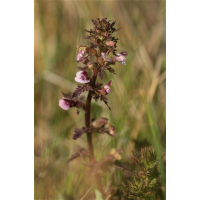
(74,156)
(80,89)
(81,152)
(82,97)
(79,133)
(101,73)
(104,99)
(111,70)
(66,95)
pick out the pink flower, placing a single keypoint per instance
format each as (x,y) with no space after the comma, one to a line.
(81,52)
(120,58)
(107,88)
(82,77)
(65,103)
(104,57)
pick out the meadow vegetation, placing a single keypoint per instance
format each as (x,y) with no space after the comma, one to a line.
(137,100)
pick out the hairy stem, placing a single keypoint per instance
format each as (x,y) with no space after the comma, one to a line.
(87,123)
(87,117)
(87,109)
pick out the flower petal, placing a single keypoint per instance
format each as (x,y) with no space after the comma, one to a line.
(79,80)
(104,56)
(122,62)
(63,104)
(78,74)
(110,83)
(107,88)
(81,52)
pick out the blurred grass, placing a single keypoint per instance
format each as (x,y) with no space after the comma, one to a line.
(156,140)
(58,30)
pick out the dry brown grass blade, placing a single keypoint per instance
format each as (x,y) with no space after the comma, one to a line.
(149,95)
(86,193)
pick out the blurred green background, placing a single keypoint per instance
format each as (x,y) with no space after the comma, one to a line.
(137,100)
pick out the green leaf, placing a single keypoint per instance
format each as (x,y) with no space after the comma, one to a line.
(98,195)
(153,182)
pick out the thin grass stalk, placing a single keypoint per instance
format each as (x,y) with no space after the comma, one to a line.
(157,144)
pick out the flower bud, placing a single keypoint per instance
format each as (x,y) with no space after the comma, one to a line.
(124,53)
(82,77)
(107,88)
(80,55)
(100,122)
(112,130)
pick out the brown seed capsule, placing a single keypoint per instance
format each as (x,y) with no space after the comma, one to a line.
(112,130)
(100,122)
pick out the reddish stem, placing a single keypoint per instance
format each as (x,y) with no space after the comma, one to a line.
(87,116)
(87,123)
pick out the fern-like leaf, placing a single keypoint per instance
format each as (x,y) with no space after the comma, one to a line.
(79,133)
(104,99)
(80,89)
(66,95)
(81,152)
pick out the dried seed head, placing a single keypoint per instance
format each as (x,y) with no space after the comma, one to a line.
(100,122)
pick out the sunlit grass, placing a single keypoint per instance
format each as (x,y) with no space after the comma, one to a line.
(59,29)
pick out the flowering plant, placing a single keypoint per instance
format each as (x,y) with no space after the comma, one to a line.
(95,59)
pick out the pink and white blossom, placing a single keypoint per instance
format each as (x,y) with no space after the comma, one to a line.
(65,103)
(120,58)
(107,88)
(82,77)
(80,55)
